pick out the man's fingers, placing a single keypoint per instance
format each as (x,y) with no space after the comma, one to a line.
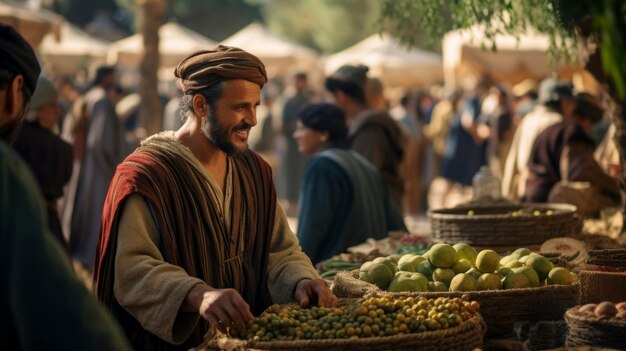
(236,316)
(244,310)
(223,318)
(214,323)
(325,297)
(302,294)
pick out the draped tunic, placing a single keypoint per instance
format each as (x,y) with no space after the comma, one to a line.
(167,226)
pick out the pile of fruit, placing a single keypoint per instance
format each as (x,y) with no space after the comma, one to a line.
(367,317)
(461,268)
(405,244)
(605,310)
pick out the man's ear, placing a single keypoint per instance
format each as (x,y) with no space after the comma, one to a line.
(340,97)
(15,96)
(199,105)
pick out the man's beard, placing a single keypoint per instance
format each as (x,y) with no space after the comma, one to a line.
(219,136)
(9,131)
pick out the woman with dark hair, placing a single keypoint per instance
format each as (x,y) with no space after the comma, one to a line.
(343,199)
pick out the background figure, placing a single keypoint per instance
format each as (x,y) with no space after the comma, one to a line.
(104,149)
(344,201)
(412,171)
(292,162)
(262,138)
(563,157)
(172,120)
(465,152)
(496,124)
(525,99)
(48,156)
(555,102)
(371,132)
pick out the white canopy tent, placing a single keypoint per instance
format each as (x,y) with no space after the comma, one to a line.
(394,64)
(75,51)
(516,59)
(279,55)
(31,22)
(175,43)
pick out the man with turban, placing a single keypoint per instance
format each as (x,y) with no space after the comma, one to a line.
(191,226)
(43,306)
(371,132)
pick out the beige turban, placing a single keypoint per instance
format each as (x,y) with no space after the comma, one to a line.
(206,68)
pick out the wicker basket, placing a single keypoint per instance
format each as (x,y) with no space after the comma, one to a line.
(598,286)
(466,336)
(586,330)
(500,308)
(495,226)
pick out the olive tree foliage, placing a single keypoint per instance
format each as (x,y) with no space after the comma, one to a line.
(572,26)
(326,25)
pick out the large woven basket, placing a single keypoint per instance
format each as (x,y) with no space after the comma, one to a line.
(500,308)
(598,286)
(587,330)
(466,336)
(495,226)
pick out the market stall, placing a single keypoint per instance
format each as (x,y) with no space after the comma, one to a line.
(395,64)
(468,56)
(77,50)
(175,43)
(280,56)
(31,22)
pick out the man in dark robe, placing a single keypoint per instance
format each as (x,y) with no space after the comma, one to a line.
(43,306)
(371,133)
(564,153)
(191,226)
(48,156)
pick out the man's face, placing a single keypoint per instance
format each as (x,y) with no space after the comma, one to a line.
(12,109)
(228,124)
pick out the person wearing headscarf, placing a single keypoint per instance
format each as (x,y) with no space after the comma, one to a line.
(48,156)
(343,199)
(371,132)
(562,166)
(192,234)
(43,305)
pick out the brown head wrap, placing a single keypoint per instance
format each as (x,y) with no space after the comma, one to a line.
(206,68)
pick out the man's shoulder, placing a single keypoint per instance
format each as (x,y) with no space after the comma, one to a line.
(15,176)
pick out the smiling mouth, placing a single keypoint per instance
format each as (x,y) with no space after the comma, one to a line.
(242,133)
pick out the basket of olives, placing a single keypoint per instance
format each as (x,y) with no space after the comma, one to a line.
(371,322)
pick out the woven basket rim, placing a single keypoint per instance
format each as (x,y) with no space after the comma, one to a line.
(500,292)
(466,327)
(604,273)
(574,316)
(449,213)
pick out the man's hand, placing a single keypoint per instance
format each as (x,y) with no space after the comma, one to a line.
(314,290)
(220,307)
